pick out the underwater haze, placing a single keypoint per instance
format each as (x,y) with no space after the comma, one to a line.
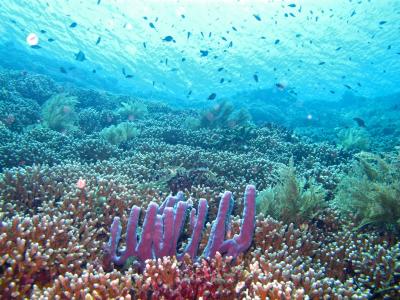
(186,150)
(317,49)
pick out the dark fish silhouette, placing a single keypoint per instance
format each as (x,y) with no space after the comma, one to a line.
(36,47)
(258,18)
(98,40)
(80,56)
(98,2)
(73,25)
(152,25)
(168,38)
(220,69)
(212,96)
(62,70)
(222,80)
(203,52)
(126,75)
(277,42)
(50,40)
(360,122)
(42,31)
(255,76)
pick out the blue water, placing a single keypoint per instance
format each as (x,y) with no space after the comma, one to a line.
(317,50)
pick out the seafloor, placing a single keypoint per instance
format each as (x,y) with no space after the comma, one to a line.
(328,212)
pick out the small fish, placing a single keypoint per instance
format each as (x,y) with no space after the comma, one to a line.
(144,45)
(234,28)
(203,53)
(188,94)
(360,122)
(222,80)
(50,40)
(224,38)
(277,42)
(94,71)
(42,31)
(230,44)
(73,25)
(168,38)
(123,71)
(152,25)
(292,5)
(338,48)
(98,2)
(220,69)
(280,86)
(321,63)
(212,96)
(382,22)
(189,34)
(209,34)
(62,70)
(258,18)
(128,76)
(346,85)
(255,76)
(332,92)
(80,56)
(202,34)
(353,13)
(183,59)
(183,16)
(98,40)
(36,47)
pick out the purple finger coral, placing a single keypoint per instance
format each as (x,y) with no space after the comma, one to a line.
(163,226)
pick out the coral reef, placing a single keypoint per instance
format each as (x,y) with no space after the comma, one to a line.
(372,192)
(117,134)
(162,228)
(59,112)
(132,110)
(292,199)
(222,115)
(60,192)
